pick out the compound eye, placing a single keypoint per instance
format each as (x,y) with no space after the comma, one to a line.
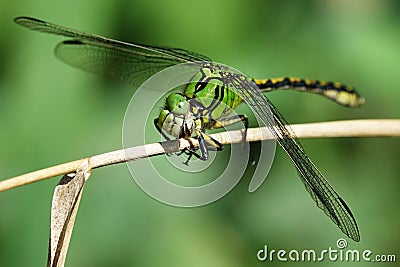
(182,108)
(177,104)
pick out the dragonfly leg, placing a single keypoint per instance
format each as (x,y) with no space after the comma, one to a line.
(203,146)
(190,153)
(206,143)
(232,120)
(210,143)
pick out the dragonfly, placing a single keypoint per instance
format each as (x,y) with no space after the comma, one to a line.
(208,100)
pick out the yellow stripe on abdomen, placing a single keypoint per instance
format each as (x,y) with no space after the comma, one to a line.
(338,92)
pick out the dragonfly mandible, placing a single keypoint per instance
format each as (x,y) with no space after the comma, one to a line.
(185,116)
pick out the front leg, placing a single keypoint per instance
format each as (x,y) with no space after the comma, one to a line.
(190,153)
(207,143)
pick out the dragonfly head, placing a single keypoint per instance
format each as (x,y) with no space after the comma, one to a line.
(176,119)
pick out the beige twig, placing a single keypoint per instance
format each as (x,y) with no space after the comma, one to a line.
(350,128)
(64,207)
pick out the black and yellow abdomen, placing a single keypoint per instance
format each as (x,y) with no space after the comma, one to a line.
(335,91)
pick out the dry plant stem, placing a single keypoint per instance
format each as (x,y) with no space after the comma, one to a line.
(64,207)
(351,128)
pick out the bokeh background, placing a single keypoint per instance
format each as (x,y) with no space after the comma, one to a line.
(51,113)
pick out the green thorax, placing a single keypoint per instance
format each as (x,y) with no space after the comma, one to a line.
(209,87)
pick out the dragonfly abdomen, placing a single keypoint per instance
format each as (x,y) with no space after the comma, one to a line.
(338,92)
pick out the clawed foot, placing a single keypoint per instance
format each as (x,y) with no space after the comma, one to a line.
(190,152)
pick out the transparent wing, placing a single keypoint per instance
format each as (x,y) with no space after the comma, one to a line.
(320,190)
(128,62)
(114,62)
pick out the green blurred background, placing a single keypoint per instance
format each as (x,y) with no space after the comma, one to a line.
(50,114)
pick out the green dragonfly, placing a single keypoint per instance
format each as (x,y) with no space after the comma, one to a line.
(207,101)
